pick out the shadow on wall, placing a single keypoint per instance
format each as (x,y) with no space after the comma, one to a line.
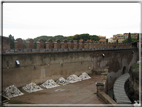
(124,70)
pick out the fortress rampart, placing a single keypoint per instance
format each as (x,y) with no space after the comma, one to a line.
(65,45)
(52,60)
(73,44)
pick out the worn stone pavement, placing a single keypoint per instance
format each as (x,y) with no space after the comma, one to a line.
(83,92)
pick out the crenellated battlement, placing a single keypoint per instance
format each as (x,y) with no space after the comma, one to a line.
(72,45)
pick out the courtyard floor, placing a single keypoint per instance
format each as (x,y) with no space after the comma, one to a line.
(83,92)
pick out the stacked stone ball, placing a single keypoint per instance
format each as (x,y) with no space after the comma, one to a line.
(84,76)
(12,91)
(73,78)
(32,87)
(49,84)
(62,81)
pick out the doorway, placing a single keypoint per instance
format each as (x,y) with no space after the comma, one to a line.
(124,70)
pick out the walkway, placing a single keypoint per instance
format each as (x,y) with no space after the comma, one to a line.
(61,50)
(119,90)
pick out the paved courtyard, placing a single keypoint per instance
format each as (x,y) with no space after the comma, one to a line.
(83,92)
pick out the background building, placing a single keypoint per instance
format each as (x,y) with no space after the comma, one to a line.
(110,40)
(133,35)
(102,38)
(122,37)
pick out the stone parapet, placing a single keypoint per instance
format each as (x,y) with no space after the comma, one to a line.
(49,44)
(72,44)
(18,43)
(30,44)
(40,44)
(106,98)
(103,95)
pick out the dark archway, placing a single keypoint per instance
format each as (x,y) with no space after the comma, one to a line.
(124,70)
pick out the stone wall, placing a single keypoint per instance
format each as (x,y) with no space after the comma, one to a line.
(38,67)
(132,85)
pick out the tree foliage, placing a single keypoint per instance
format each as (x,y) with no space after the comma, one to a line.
(11,38)
(106,40)
(129,38)
(138,37)
(117,41)
(86,37)
(24,44)
(94,38)
(132,39)
(69,38)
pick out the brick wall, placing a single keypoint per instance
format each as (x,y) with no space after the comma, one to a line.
(18,43)
(49,44)
(40,44)
(30,44)
(5,42)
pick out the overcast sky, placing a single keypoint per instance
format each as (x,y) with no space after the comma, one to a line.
(29,20)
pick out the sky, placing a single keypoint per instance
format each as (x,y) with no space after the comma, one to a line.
(30,20)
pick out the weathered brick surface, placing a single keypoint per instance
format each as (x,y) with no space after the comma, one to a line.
(64,44)
(90,44)
(5,43)
(40,44)
(30,44)
(86,44)
(75,44)
(18,43)
(81,44)
(49,44)
(57,44)
(70,44)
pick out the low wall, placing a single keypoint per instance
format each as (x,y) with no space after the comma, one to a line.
(106,98)
(48,65)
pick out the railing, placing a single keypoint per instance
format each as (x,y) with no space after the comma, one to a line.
(54,50)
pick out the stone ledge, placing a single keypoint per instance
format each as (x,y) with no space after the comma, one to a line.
(106,98)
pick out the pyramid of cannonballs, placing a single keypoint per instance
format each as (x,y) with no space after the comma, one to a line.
(32,87)
(12,91)
(62,81)
(49,84)
(73,78)
(84,76)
